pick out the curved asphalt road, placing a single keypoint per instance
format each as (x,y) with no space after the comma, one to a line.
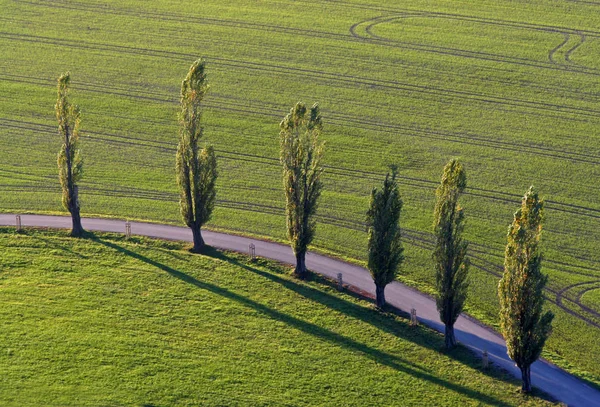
(547,377)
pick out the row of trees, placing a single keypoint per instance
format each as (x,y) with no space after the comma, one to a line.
(524,325)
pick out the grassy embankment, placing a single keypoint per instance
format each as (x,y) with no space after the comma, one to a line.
(109,321)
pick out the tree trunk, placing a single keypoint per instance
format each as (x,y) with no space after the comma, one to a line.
(449,336)
(77,230)
(198,240)
(526,376)
(380,296)
(300,270)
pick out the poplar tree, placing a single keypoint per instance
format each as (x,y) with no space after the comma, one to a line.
(522,323)
(196,169)
(451,264)
(385,248)
(70,164)
(301,153)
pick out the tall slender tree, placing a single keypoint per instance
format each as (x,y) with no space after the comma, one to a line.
(196,169)
(70,164)
(385,248)
(524,326)
(451,263)
(301,153)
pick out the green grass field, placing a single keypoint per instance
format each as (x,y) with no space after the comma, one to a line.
(104,321)
(510,87)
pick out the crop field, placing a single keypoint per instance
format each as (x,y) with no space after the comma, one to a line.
(510,87)
(108,321)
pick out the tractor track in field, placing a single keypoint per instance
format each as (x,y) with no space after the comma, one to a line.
(231,104)
(581,293)
(567,55)
(588,2)
(372,7)
(368,36)
(559,46)
(434,93)
(583,39)
(576,95)
(577,299)
(498,196)
(400,13)
(183,18)
(169,147)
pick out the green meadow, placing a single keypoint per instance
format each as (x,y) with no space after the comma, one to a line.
(114,322)
(509,87)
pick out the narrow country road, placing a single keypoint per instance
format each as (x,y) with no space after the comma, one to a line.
(549,378)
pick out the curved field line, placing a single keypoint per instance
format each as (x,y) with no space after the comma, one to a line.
(556,301)
(567,57)
(581,293)
(559,46)
(570,51)
(482,20)
(584,96)
(180,17)
(498,274)
(560,296)
(456,52)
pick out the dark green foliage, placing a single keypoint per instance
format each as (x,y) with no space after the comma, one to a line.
(301,153)
(70,164)
(385,248)
(196,169)
(524,327)
(451,264)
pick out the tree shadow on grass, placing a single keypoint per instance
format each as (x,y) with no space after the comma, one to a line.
(373,317)
(380,320)
(53,244)
(392,361)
